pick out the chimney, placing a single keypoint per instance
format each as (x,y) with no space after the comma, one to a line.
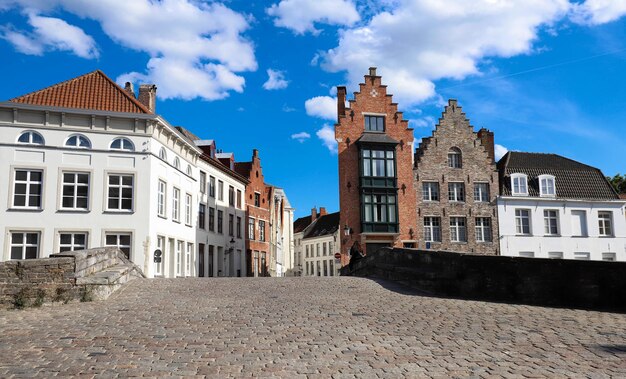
(130,89)
(341,101)
(255,153)
(487,140)
(323,211)
(372,71)
(147,96)
(313,214)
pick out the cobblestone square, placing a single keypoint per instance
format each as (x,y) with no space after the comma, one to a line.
(305,328)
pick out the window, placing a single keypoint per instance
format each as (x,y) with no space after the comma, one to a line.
(379,209)
(220,221)
(519,184)
(211,219)
(212,186)
(161,198)
(75,192)
(455,159)
(551,222)
(31,138)
(579,223)
(546,185)
(378,163)
(220,190)
(458,229)
(251,228)
(605,224)
(122,144)
(483,229)
(27,190)
(324,252)
(189,170)
(430,191)
(163,154)
(257,199)
(555,254)
(262,230)
(432,229)
(119,240)
(24,245)
(188,200)
(608,257)
(307,251)
(526,254)
(231,226)
(582,256)
(456,192)
(202,216)
(78,141)
(177,163)
(231,196)
(375,123)
(522,221)
(317,250)
(481,192)
(179,257)
(120,192)
(238,227)
(239,199)
(188,258)
(176,204)
(202,182)
(72,241)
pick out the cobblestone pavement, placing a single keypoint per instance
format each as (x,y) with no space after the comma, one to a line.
(305,328)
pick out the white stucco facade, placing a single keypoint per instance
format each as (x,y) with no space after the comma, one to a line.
(319,255)
(575,231)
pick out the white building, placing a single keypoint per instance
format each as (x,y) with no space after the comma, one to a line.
(554,207)
(86,164)
(317,243)
(281,238)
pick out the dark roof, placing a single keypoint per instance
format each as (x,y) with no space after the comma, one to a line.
(324,225)
(243,168)
(377,138)
(573,180)
(300,224)
(94,91)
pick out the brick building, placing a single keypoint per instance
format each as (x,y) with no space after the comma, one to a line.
(456,180)
(375,146)
(257,205)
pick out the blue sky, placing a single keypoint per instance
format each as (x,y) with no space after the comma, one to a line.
(544,75)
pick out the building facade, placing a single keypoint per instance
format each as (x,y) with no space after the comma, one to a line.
(320,241)
(376,186)
(456,179)
(281,233)
(554,207)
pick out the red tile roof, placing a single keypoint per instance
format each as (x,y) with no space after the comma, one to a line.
(94,91)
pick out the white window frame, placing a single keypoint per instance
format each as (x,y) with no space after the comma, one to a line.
(555,254)
(24,244)
(549,189)
(188,259)
(521,189)
(180,245)
(79,137)
(75,185)
(519,225)
(481,192)
(458,229)
(163,154)
(455,158)
(430,191)
(176,163)
(162,198)
(189,170)
(527,254)
(583,256)
(28,182)
(203,182)
(609,257)
(125,144)
(220,190)
(456,192)
(118,243)
(73,245)
(120,186)
(551,222)
(188,206)
(483,229)
(251,228)
(31,134)
(176,204)
(605,223)
(432,229)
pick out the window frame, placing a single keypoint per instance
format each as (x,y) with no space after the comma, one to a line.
(455,158)
(202,216)
(479,194)
(31,134)
(73,243)
(551,224)
(118,234)
(176,204)
(122,140)
(211,219)
(220,190)
(428,194)
(163,154)
(162,199)
(386,209)
(367,122)
(78,137)
(24,244)
(251,227)
(519,177)
(520,226)
(605,223)
(220,221)
(188,208)
(28,183)
(261,224)
(484,232)
(212,186)
(548,179)
(432,229)
(203,182)
(456,192)
(75,185)
(121,186)
(458,230)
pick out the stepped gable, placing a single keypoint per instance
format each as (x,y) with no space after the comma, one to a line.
(454,121)
(93,91)
(574,180)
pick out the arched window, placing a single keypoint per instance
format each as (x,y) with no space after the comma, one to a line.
(189,170)
(78,141)
(31,138)
(163,154)
(519,184)
(122,143)
(547,185)
(177,163)
(454,158)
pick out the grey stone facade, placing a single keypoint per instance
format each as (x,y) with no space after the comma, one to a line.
(476,165)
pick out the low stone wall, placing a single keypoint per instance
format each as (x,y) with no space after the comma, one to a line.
(74,275)
(536,281)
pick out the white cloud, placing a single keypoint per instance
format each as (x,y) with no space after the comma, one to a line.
(327,135)
(500,151)
(300,16)
(196,49)
(49,34)
(275,80)
(595,12)
(448,40)
(424,122)
(301,137)
(322,106)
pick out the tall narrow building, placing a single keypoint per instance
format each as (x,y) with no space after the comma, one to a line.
(375,146)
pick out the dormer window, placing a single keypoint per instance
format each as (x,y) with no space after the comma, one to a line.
(78,141)
(546,186)
(519,184)
(455,158)
(374,123)
(30,138)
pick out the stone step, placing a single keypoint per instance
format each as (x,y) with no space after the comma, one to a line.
(117,274)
